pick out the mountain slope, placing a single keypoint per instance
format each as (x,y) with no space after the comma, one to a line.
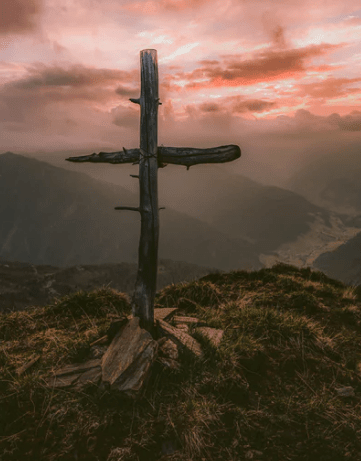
(344,263)
(267,216)
(62,218)
(284,382)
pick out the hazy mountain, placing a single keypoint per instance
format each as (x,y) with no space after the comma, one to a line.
(332,180)
(344,263)
(267,216)
(51,215)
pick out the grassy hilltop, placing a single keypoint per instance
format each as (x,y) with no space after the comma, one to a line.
(273,390)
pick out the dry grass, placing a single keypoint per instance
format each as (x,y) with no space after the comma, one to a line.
(271,391)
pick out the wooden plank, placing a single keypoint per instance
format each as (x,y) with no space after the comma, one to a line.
(145,286)
(151,157)
(186,156)
(189,156)
(124,156)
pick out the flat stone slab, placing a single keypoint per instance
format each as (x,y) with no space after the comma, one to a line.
(133,379)
(115,326)
(169,363)
(165,313)
(127,361)
(183,327)
(180,338)
(92,376)
(188,320)
(77,374)
(169,349)
(211,333)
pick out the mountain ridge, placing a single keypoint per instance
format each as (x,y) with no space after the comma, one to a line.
(60,217)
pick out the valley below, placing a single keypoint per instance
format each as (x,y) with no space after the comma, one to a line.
(320,238)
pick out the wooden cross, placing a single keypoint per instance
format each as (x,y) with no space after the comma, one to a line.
(150,157)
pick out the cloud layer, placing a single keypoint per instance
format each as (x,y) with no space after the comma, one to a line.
(256,73)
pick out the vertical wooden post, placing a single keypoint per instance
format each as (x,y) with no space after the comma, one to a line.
(150,157)
(146,283)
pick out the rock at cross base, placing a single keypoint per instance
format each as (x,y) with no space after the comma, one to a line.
(124,366)
(168,353)
(77,374)
(164,313)
(127,362)
(169,349)
(213,334)
(187,320)
(182,339)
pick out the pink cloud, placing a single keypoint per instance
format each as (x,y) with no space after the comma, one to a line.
(265,66)
(156,7)
(329,88)
(29,98)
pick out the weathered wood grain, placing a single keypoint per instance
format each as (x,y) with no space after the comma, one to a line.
(186,156)
(145,286)
(124,156)
(150,157)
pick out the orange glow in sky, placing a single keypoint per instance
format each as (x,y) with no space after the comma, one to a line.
(68,69)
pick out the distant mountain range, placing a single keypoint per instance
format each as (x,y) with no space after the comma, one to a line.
(54,216)
(277,221)
(344,263)
(332,180)
(51,215)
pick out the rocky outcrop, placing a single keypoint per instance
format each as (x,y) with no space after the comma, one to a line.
(122,360)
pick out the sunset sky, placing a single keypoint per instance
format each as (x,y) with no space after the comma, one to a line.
(277,75)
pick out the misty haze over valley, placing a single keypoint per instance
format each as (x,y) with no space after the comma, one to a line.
(57,213)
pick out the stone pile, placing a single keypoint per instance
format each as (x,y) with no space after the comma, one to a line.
(123,358)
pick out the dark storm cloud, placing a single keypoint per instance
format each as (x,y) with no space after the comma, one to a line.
(126,91)
(28,97)
(43,76)
(18,16)
(252,105)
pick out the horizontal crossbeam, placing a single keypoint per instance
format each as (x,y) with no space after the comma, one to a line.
(186,156)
